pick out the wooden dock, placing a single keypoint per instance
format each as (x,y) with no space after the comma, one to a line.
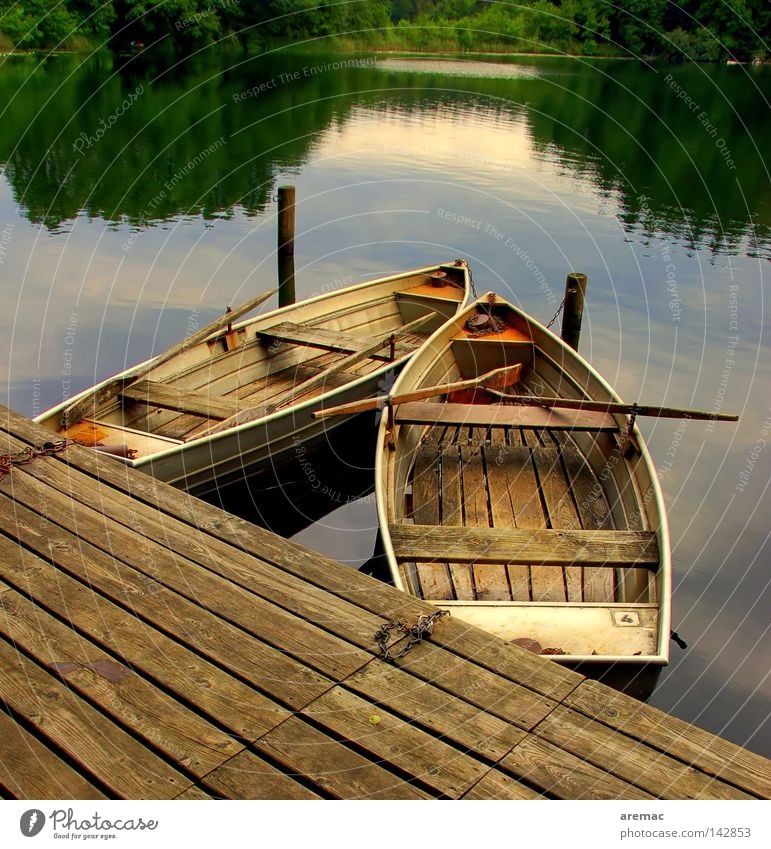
(153,646)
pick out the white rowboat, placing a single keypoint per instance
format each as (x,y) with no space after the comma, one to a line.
(244,396)
(544,526)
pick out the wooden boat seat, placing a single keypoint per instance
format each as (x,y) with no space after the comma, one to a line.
(182,400)
(327,340)
(502,415)
(525,546)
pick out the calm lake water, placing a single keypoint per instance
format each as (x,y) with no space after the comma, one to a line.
(134,195)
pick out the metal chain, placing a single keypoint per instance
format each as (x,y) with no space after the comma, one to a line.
(470,279)
(556,314)
(422,628)
(27,455)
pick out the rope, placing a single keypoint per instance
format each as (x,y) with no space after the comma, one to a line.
(422,628)
(27,455)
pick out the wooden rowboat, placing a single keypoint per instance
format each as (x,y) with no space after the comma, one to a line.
(243,395)
(544,526)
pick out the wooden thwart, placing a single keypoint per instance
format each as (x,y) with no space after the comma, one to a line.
(502,416)
(317,337)
(182,400)
(525,545)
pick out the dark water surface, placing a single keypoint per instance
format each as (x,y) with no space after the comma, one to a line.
(134,196)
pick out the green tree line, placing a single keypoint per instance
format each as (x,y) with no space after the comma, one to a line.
(691,30)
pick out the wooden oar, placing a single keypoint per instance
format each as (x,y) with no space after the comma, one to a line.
(614,407)
(253,413)
(96,397)
(498,377)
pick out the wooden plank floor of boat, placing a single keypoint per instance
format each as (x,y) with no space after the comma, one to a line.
(512,477)
(154,646)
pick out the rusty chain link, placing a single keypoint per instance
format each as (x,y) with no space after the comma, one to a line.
(422,628)
(27,455)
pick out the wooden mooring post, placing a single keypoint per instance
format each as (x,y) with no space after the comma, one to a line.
(286,220)
(575,292)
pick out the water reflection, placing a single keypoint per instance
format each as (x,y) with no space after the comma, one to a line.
(121,140)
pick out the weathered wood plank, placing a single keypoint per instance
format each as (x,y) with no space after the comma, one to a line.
(213,691)
(434,578)
(339,771)
(513,664)
(30,770)
(141,559)
(563,775)
(486,579)
(501,415)
(169,397)
(248,776)
(293,684)
(118,690)
(122,763)
(525,545)
(593,513)
(194,794)
(319,337)
(562,512)
(630,760)
(465,680)
(390,738)
(452,515)
(681,740)
(504,479)
(243,570)
(498,785)
(445,714)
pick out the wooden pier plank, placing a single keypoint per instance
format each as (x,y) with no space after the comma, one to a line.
(117,690)
(338,770)
(564,775)
(448,715)
(292,683)
(630,760)
(214,692)
(248,776)
(680,740)
(499,785)
(123,764)
(431,761)
(30,770)
(484,689)
(140,559)
(270,583)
